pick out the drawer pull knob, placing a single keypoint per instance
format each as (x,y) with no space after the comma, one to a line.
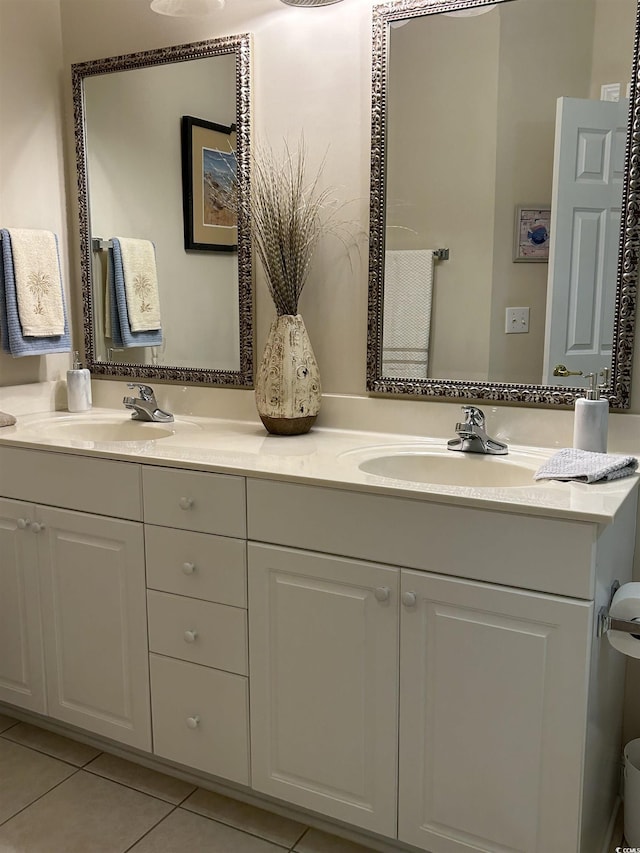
(188,568)
(37,528)
(185,503)
(409,599)
(193,722)
(190,636)
(23,523)
(382,593)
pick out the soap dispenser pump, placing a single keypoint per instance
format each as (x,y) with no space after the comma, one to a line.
(78,387)
(590,423)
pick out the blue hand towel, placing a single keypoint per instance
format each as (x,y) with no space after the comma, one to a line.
(13,341)
(121,334)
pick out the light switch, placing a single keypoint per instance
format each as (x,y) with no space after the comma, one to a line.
(517,321)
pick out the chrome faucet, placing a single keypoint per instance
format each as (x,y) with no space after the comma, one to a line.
(145,407)
(472,436)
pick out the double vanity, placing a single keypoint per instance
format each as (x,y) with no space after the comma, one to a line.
(364,627)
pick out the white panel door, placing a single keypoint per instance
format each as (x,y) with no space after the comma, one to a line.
(21,654)
(585,229)
(323,639)
(95,626)
(493,697)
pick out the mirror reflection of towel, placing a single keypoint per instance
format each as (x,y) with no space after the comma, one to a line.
(122,334)
(140,284)
(408,288)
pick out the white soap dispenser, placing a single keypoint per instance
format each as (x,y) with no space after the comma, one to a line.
(78,387)
(591,419)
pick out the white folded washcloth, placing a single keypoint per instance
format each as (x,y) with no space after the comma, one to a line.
(585,466)
(6,419)
(140,284)
(38,284)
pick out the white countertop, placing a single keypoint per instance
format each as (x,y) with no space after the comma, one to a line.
(323,457)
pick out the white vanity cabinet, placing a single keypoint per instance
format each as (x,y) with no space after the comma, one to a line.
(21,661)
(72,600)
(195,532)
(510,708)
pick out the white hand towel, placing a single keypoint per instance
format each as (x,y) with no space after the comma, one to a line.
(585,466)
(38,284)
(141,284)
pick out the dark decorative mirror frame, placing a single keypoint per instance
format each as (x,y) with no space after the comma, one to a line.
(628,255)
(240,46)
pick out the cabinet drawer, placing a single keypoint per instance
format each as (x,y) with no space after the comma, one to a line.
(195,500)
(198,631)
(199,565)
(100,486)
(200,717)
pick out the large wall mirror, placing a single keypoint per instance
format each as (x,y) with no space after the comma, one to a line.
(162,140)
(504,198)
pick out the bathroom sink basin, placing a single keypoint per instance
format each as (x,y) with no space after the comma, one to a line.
(105,429)
(472,470)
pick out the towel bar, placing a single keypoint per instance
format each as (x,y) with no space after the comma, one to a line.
(100,245)
(441,254)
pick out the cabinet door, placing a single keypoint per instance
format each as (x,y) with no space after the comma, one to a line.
(493,697)
(95,626)
(323,642)
(21,659)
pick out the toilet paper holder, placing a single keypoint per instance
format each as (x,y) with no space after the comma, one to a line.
(609,623)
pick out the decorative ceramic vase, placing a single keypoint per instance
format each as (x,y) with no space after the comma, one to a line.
(288,382)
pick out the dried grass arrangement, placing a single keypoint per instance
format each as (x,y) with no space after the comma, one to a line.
(289,215)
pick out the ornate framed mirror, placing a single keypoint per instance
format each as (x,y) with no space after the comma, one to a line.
(504,211)
(131,114)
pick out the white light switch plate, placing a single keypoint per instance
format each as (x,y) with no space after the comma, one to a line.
(517,321)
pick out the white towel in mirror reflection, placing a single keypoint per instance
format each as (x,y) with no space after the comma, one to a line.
(408,290)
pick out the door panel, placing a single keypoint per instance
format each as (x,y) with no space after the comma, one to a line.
(21,660)
(324,671)
(492,717)
(95,626)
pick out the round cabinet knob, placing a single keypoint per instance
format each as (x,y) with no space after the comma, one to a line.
(382,593)
(193,722)
(190,636)
(409,599)
(188,568)
(23,523)
(185,503)
(37,527)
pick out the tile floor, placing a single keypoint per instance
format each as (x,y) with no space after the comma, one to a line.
(60,796)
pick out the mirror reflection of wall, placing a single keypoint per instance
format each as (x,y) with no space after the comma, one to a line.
(470,136)
(135,190)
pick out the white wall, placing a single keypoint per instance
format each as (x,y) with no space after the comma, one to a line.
(32,188)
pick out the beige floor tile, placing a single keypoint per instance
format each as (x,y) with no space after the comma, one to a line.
(85,814)
(274,828)
(51,743)
(6,722)
(141,778)
(185,832)
(315,841)
(26,775)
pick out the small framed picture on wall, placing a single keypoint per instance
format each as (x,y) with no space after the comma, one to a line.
(531,243)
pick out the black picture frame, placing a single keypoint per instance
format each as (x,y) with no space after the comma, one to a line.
(209,185)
